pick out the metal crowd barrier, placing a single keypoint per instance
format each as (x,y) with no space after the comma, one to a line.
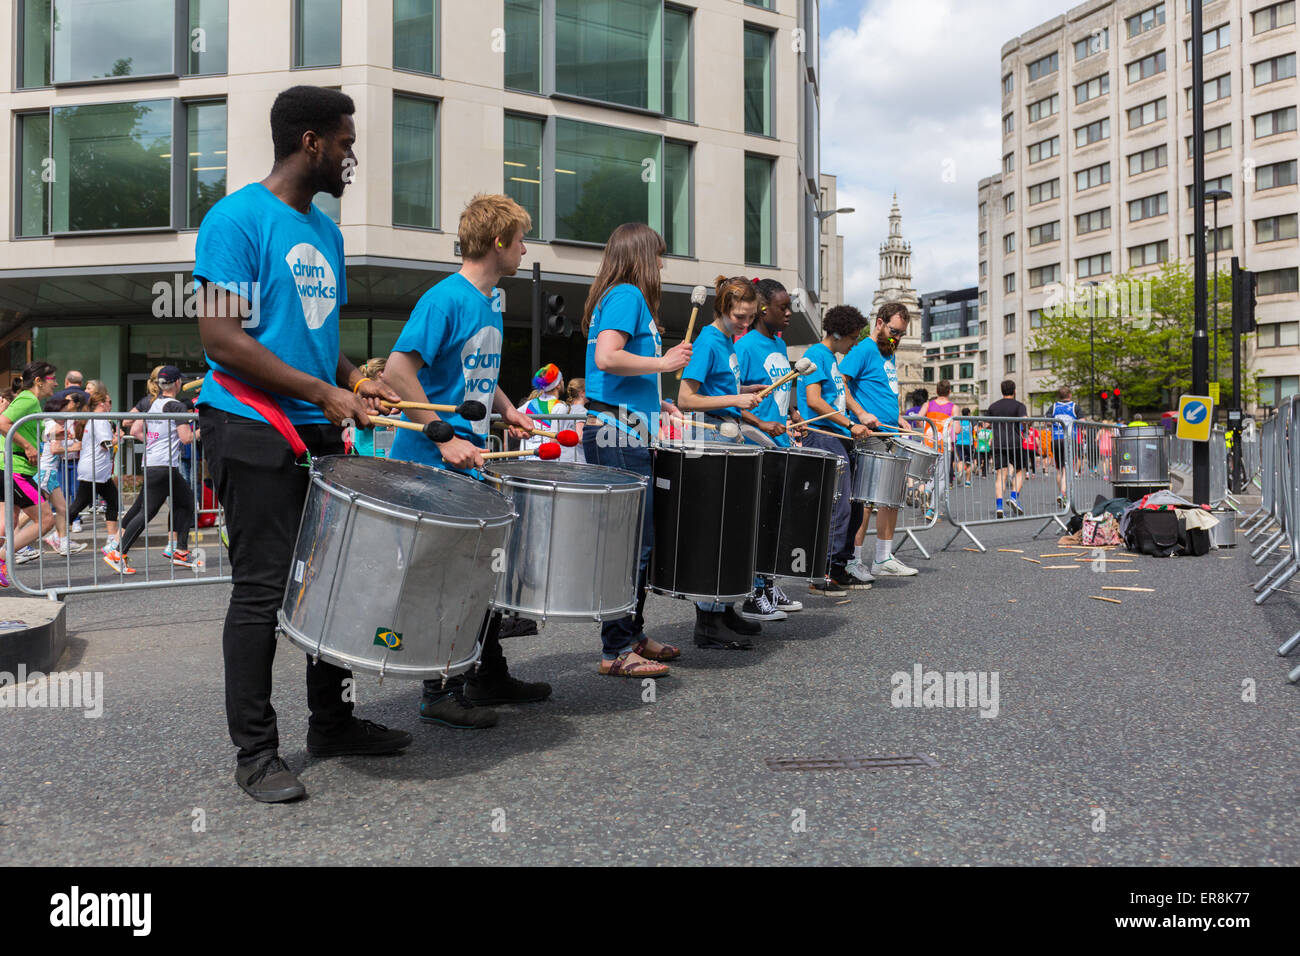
(1286,503)
(85,571)
(1262,517)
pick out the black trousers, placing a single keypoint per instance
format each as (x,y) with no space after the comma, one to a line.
(262,490)
(86,492)
(491,664)
(161,483)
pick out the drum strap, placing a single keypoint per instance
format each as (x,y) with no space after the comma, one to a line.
(269,409)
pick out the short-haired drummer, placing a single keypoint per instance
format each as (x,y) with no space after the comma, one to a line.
(449,352)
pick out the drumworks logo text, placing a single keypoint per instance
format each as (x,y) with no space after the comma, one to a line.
(922,688)
(78,690)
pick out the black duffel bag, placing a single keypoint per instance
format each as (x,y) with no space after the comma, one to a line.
(1193,542)
(1153,532)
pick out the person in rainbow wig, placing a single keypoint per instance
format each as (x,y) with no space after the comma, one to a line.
(548,386)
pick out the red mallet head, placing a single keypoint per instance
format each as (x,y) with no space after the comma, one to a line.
(568,438)
(548,451)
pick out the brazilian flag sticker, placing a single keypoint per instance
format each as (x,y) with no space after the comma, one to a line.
(386,637)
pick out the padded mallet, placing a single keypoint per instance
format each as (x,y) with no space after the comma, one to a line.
(698,295)
(548,451)
(802,367)
(434,431)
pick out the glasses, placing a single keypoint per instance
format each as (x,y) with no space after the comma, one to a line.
(895,333)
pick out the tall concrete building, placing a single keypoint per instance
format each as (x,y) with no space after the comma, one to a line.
(1096,175)
(896,286)
(950,339)
(127,119)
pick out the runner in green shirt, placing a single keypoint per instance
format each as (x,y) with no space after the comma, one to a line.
(38,382)
(983,445)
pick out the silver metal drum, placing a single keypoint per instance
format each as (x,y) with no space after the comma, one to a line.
(575,547)
(1140,456)
(879,478)
(922,460)
(392,572)
(1224,534)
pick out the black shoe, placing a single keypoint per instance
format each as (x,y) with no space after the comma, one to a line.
(841,578)
(494,689)
(711,634)
(516,627)
(826,588)
(362,738)
(269,781)
(732,621)
(452,709)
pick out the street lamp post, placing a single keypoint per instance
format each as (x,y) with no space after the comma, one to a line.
(1215,195)
(1092,354)
(827,213)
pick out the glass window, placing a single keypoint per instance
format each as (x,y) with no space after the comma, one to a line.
(1213,243)
(1147,66)
(1047,232)
(1009,162)
(1009,282)
(95,39)
(1272,17)
(1146,20)
(610,50)
(523,165)
(1213,40)
(1153,253)
(601,180)
(1009,242)
(966,370)
(1093,221)
(1043,275)
(1092,265)
(1042,192)
(415,38)
(1092,133)
(677,198)
(1271,123)
(765,4)
(1278,68)
(677,63)
(1275,174)
(1009,202)
(113,164)
(1222,182)
(1044,108)
(1148,207)
(1008,124)
(1148,159)
(524,46)
(1042,67)
(209,36)
(1219,88)
(758,210)
(1092,176)
(1278,334)
(1215,139)
(1008,84)
(1099,40)
(32,217)
(415,150)
(1275,228)
(331,206)
(1147,113)
(1044,150)
(205,168)
(1035,318)
(317,32)
(758,81)
(1276,281)
(34,48)
(1090,90)
(1275,390)
(1009,362)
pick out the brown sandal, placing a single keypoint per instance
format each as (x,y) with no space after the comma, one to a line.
(620,667)
(669,652)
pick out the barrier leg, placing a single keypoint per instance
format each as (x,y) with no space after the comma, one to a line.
(1294,675)
(1273,572)
(1289,645)
(1265,549)
(963,529)
(911,536)
(1290,573)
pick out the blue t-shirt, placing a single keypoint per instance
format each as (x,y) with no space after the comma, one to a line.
(288,265)
(763,360)
(872,380)
(1062,410)
(715,366)
(456,333)
(965,433)
(827,375)
(623,309)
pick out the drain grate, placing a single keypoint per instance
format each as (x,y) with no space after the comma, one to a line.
(885,762)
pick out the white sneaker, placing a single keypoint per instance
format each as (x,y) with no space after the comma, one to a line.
(859,571)
(76,526)
(891,568)
(23,555)
(757,607)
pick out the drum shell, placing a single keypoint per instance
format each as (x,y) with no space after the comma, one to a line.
(1224,534)
(705,520)
(921,461)
(363,566)
(879,478)
(575,549)
(796,497)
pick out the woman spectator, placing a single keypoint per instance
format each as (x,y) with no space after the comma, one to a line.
(95,469)
(575,397)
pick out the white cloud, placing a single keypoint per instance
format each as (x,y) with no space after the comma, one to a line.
(908,93)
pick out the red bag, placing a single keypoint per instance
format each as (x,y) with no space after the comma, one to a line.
(208,517)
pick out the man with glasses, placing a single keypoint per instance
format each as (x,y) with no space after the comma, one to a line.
(871,376)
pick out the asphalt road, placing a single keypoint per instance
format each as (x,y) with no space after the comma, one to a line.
(1131,710)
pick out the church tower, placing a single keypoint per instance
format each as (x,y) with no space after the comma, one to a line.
(896,286)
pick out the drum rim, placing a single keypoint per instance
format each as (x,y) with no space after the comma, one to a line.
(912,445)
(803,452)
(371,503)
(710,448)
(630,478)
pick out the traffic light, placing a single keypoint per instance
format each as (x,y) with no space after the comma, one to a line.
(1243,300)
(554,321)
(1115,395)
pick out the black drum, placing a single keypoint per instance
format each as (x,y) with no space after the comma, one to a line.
(794,511)
(706,520)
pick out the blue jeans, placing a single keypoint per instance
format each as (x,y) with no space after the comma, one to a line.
(608,446)
(846,514)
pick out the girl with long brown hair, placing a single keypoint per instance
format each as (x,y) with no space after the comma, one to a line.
(624,361)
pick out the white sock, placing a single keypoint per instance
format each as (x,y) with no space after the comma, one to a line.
(857,553)
(882,550)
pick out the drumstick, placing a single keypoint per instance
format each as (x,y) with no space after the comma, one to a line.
(197,383)
(565,436)
(698,295)
(471,411)
(438,431)
(549,451)
(728,429)
(802,367)
(822,431)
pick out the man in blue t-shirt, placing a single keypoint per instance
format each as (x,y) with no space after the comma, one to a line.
(449,352)
(271,268)
(1066,414)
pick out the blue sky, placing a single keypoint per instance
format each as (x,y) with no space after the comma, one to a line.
(911,102)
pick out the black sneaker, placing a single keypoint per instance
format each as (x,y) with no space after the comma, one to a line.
(759,607)
(489,691)
(451,709)
(826,588)
(269,781)
(362,738)
(840,577)
(1000,514)
(516,627)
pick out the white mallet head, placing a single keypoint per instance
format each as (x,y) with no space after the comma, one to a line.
(729,430)
(698,295)
(804,365)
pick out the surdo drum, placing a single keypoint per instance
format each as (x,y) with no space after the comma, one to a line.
(795,501)
(879,478)
(392,571)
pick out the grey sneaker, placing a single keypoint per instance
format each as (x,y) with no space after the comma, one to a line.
(269,781)
(891,568)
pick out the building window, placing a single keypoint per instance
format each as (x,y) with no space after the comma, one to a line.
(612,52)
(1275,174)
(1009,282)
(1215,39)
(677,63)
(1092,133)
(1009,203)
(205,153)
(1048,106)
(1148,207)
(1154,158)
(1278,334)
(1037,361)
(1008,124)
(984,240)
(1042,192)
(1275,228)
(523,67)
(1146,20)
(1008,162)
(1009,362)
(1278,68)
(1153,253)
(1047,232)
(32,196)
(1276,281)
(1146,67)
(1092,265)
(927,374)
(966,370)
(1274,16)
(1147,113)
(1043,275)
(758,210)
(984,211)
(523,165)
(984,270)
(317,33)
(758,81)
(1008,323)
(1273,122)
(1223,182)
(678,229)
(946,371)
(415,151)
(765,4)
(1045,149)
(1215,139)
(1090,90)
(1009,242)
(415,37)
(1274,390)
(1094,43)
(1008,84)
(207,37)
(984,298)
(142,34)
(1042,67)
(1214,243)
(33,46)
(1094,221)
(1092,176)
(1219,88)
(1035,318)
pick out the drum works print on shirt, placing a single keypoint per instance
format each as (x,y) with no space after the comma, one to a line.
(776,365)
(481,358)
(314,278)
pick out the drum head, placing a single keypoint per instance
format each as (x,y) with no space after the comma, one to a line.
(404,484)
(911,447)
(697,448)
(560,473)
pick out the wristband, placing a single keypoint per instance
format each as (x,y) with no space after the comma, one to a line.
(358,385)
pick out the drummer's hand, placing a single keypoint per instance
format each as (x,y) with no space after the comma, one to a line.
(679,356)
(870,420)
(459,453)
(752,388)
(521,426)
(377,395)
(798,430)
(748,400)
(775,429)
(340,405)
(858,430)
